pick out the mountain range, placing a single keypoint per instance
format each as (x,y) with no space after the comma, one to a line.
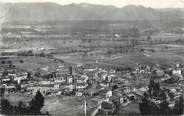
(84,11)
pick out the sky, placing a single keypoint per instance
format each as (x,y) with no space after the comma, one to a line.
(117,3)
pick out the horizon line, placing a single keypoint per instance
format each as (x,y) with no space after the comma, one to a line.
(106,5)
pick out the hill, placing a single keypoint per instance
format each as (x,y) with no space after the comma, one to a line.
(84,11)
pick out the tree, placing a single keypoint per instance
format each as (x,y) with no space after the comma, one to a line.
(30,53)
(117,106)
(163,95)
(152,50)
(21,61)
(181,105)
(164,107)
(144,106)
(42,54)
(5,73)
(142,50)
(151,86)
(37,103)
(9,62)
(147,107)
(3,62)
(178,108)
(6,107)
(20,108)
(109,52)
(20,105)
(156,89)
(28,75)
(2,91)
(18,87)
(114,87)
(89,83)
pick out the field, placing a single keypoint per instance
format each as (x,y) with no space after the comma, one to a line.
(109,52)
(30,63)
(155,58)
(82,48)
(132,109)
(172,54)
(67,106)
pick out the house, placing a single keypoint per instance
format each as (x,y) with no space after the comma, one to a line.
(105,83)
(139,95)
(71,87)
(43,74)
(101,74)
(85,77)
(131,96)
(12,75)
(114,98)
(6,80)
(124,101)
(41,88)
(44,82)
(60,76)
(62,80)
(68,86)
(157,74)
(63,85)
(126,90)
(79,93)
(176,72)
(143,89)
(104,75)
(109,94)
(81,86)
(70,79)
(10,88)
(110,77)
(56,86)
(81,80)
(106,108)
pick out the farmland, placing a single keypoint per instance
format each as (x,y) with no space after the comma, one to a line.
(34,51)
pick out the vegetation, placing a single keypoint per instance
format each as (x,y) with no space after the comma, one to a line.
(34,107)
(148,107)
(37,103)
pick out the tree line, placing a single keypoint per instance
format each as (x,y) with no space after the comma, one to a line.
(33,108)
(148,107)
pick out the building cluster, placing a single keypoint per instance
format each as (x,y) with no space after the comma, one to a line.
(117,87)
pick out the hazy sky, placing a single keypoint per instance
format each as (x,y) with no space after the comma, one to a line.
(117,3)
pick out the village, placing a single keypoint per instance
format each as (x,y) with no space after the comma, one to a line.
(104,90)
(85,59)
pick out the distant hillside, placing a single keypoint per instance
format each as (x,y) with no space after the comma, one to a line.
(84,11)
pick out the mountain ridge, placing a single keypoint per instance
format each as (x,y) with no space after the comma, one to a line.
(49,11)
